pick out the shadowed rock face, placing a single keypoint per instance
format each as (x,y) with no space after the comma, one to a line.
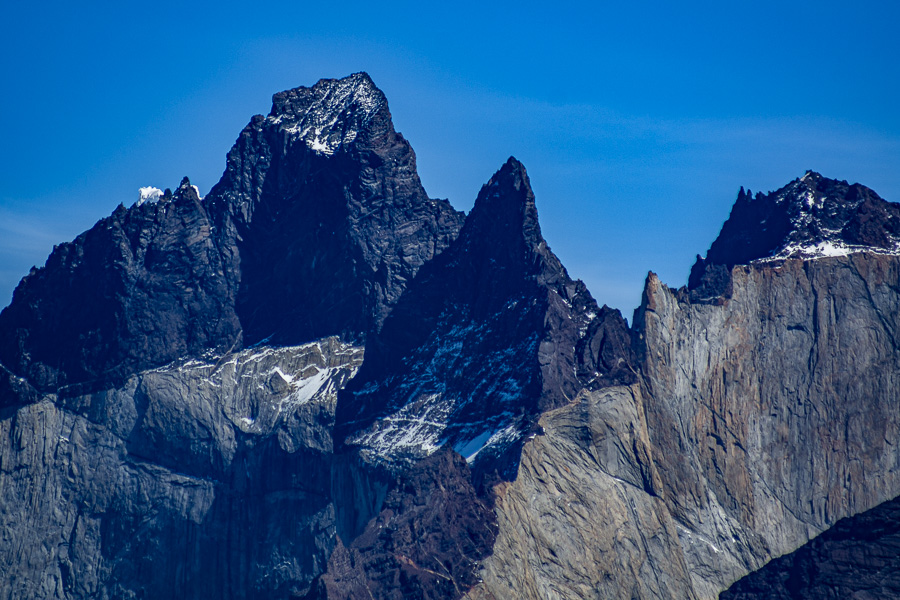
(857,558)
(156,475)
(142,287)
(314,230)
(426,541)
(489,334)
(324,208)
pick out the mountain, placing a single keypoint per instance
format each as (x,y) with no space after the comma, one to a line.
(314,229)
(170,374)
(811,217)
(324,209)
(317,382)
(761,418)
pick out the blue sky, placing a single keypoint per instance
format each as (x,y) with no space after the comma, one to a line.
(637,123)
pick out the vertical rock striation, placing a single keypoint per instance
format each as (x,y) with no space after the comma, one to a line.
(205,478)
(761,418)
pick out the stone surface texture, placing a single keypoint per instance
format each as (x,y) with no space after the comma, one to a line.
(488,336)
(300,240)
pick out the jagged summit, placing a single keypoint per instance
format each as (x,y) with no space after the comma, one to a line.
(329,114)
(811,217)
(323,199)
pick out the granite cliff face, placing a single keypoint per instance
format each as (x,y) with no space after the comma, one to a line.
(205,478)
(181,414)
(773,414)
(761,418)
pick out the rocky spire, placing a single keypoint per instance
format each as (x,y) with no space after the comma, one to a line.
(324,205)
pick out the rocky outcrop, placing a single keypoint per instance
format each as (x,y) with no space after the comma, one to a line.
(425,542)
(758,423)
(857,558)
(209,478)
(489,335)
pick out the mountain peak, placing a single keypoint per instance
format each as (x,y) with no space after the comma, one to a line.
(505,209)
(186,190)
(329,114)
(811,217)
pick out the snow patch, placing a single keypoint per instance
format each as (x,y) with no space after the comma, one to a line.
(471,448)
(335,113)
(149,194)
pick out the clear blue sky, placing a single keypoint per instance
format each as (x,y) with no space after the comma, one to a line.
(638,122)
